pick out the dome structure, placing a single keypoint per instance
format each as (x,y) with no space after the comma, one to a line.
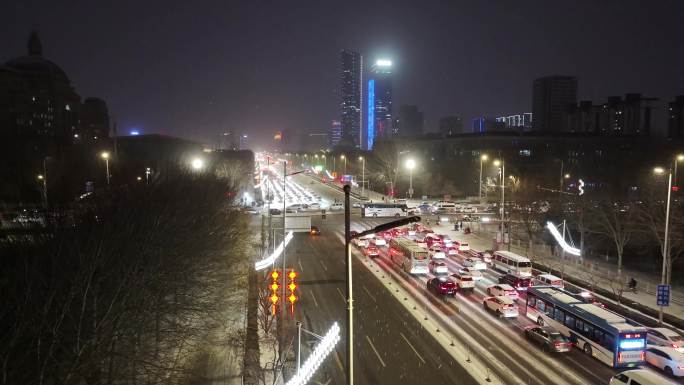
(35,64)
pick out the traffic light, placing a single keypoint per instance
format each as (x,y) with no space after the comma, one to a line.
(292,287)
(274,286)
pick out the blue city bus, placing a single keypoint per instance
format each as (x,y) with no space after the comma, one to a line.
(600,333)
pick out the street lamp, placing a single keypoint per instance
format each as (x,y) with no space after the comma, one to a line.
(148,171)
(410,165)
(666,251)
(43,181)
(197,164)
(105,156)
(363,175)
(483,158)
(345,163)
(498,163)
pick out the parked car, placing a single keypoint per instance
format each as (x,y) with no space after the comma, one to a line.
(502,306)
(550,339)
(667,359)
(665,337)
(441,286)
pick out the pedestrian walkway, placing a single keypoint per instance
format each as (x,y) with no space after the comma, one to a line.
(600,276)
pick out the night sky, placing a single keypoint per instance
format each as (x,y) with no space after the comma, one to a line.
(196,68)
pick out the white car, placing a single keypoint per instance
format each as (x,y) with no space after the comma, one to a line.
(379,241)
(463,281)
(665,337)
(438,268)
(452,250)
(476,274)
(360,242)
(336,206)
(503,290)
(486,256)
(436,252)
(502,306)
(356,205)
(667,359)
(462,246)
(475,263)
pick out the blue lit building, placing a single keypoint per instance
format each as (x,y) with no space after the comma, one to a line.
(379,122)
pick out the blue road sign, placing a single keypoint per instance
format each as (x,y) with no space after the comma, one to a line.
(663,295)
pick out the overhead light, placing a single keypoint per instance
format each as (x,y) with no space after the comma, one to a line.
(383,63)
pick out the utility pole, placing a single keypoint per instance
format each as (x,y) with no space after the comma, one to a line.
(563,250)
(666,246)
(350,292)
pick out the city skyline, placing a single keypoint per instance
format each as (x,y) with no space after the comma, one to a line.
(444,60)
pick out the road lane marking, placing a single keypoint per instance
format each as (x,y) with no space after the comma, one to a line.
(369,294)
(323,264)
(376,351)
(314,298)
(344,299)
(339,362)
(301,269)
(411,346)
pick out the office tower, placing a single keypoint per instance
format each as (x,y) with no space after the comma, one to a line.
(552,97)
(94,120)
(409,124)
(379,119)
(351,89)
(675,118)
(335,133)
(517,122)
(450,125)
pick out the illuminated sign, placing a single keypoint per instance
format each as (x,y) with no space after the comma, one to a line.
(561,241)
(383,63)
(581,187)
(371,114)
(633,344)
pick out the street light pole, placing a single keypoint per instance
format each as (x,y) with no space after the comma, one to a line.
(350,292)
(483,157)
(363,175)
(105,156)
(666,249)
(282,308)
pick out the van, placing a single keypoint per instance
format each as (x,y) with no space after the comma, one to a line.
(547,280)
(443,206)
(639,377)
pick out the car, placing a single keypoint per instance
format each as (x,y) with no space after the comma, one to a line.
(378,241)
(436,252)
(475,263)
(503,289)
(550,339)
(640,377)
(432,239)
(275,212)
(486,256)
(441,286)
(504,307)
(438,268)
(446,240)
(313,206)
(462,246)
(517,281)
(464,282)
(337,206)
(665,337)
(424,208)
(452,250)
(371,251)
(296,207)
(667,359)
(476,274)
(360,242)
(315,230)
(356,205)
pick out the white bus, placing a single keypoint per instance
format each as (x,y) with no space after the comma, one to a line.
(512,263)
(384,210)
(412,258)
(602,334)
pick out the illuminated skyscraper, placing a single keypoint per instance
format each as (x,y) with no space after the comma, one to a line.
(335,133)
(351,90)
(379,120)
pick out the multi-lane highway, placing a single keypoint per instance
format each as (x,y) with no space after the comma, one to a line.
(392,343)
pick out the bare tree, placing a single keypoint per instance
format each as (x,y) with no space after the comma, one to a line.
(615,222)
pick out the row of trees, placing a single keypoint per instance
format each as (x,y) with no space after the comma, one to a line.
(633,228)
(135,296)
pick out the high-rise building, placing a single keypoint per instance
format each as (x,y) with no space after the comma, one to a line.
(552,96)
(450,125)
(675,118)
(584,117)
(517,122)
(409,124)
(484,124)
(351,90)
(335,133)
(94,121)
(379,119)
(618,116)
(243,142)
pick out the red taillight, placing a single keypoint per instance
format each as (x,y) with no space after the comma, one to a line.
(620,356)
(557,345)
